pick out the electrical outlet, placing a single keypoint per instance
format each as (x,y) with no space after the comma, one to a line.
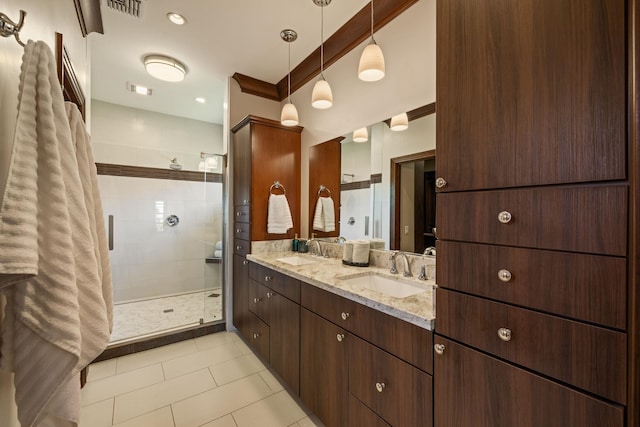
(406,229)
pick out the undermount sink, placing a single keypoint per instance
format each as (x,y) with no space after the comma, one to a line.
(297,260)
(383,285)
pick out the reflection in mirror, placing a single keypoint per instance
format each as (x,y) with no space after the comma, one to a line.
(355,194)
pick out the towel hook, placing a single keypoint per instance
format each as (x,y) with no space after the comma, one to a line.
(323,188)
(276,184)
(9,28)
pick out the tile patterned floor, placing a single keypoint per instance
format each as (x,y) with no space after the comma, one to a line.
(211,381)
(140,318)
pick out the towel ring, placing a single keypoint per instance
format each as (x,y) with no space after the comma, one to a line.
(323,188)
(276,184)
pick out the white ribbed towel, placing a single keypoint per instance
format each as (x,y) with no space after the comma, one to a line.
(324,216)
(279,214)
(56,317)
(361,251)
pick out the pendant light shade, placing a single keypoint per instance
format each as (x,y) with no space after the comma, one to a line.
(289,115)
(360,135)
(322,97)
(399,122)
(371,67)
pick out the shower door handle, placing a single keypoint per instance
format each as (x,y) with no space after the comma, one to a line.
(110,232)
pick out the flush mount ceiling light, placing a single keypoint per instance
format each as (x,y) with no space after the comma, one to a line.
(321,96)
(371,67)
(201,100)
(399,122)
(176,18)
(360,135)
(165,68)
(289,114)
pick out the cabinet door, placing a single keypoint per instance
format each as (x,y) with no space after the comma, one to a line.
(241,295)
(473,389)
(361,416)
(530,92)
(323,367)
(284,338)
(242,166)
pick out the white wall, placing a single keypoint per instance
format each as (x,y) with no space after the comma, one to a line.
(43,19)
(128,136)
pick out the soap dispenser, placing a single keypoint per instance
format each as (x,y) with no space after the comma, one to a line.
(295,243)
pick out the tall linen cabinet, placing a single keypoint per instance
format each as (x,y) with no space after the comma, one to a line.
(264,152)
(537,181)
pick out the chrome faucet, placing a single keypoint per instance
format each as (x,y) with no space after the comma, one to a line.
(340,240)
(406,268)
(315,244)
(430,251)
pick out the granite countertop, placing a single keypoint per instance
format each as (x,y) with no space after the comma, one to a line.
(327,274)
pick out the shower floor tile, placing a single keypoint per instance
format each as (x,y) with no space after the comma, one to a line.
(140,318)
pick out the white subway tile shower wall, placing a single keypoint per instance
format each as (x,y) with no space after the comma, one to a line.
(150,258)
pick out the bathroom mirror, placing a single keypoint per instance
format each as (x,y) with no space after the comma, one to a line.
(387,187)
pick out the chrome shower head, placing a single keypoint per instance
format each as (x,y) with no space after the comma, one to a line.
(175,165)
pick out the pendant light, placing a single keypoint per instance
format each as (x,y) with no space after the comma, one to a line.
(321,96)
(371,66)
(289,115)
(399,122)
(360,135)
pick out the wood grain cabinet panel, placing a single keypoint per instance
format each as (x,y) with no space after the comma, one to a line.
(521,95)
(241,247)
(591,219)
(398,392)
(281,283)
(361,416)
(241,231)
(473,389)
(242,213)
(409,342)
(324,369)
(585,287)
(259,336)
(241,296)
(589,357)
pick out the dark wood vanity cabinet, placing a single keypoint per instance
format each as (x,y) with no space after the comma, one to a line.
(362,367)
(532,220)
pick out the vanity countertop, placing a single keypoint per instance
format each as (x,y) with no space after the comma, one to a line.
(326,273)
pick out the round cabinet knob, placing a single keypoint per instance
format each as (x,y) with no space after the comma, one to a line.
(439,349)
(269,294)
(238,213)
(344,315)
(504,334)
(245,201)
(245,262)
(238,230)
(267,278)
(256,300)
(440,182)
(504,217)
(238,247)
(256,336)
(504,275)
(340,337)
(380,387)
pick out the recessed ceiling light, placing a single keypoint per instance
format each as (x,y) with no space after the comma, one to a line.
(140,90)
(201,100)
(165,68)
(176,18)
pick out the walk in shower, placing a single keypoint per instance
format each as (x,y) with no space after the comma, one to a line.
(165,230)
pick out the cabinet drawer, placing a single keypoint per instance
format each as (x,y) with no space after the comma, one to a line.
(281,283)
(361,416)
(473,389)
(590,219)
(241,247)
(407,341)
(259,336)
(258,303)
(393,389)
(588,357)
(242,213)
(242,230)
(585,287)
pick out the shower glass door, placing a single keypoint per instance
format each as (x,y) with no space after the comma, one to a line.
(213,297)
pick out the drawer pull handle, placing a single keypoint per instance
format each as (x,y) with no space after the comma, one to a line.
(504,275)
(256,300)
(267,278)
(439,349)
(269,294)
(504,334)
(340,337)
(380,387)
(440,182)
(344,315)
(245,262)
(504,217)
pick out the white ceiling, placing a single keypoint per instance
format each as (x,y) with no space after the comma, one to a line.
(220,37)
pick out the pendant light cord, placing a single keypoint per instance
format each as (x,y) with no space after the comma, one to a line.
(374,40)
(322,42)
(289,75)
